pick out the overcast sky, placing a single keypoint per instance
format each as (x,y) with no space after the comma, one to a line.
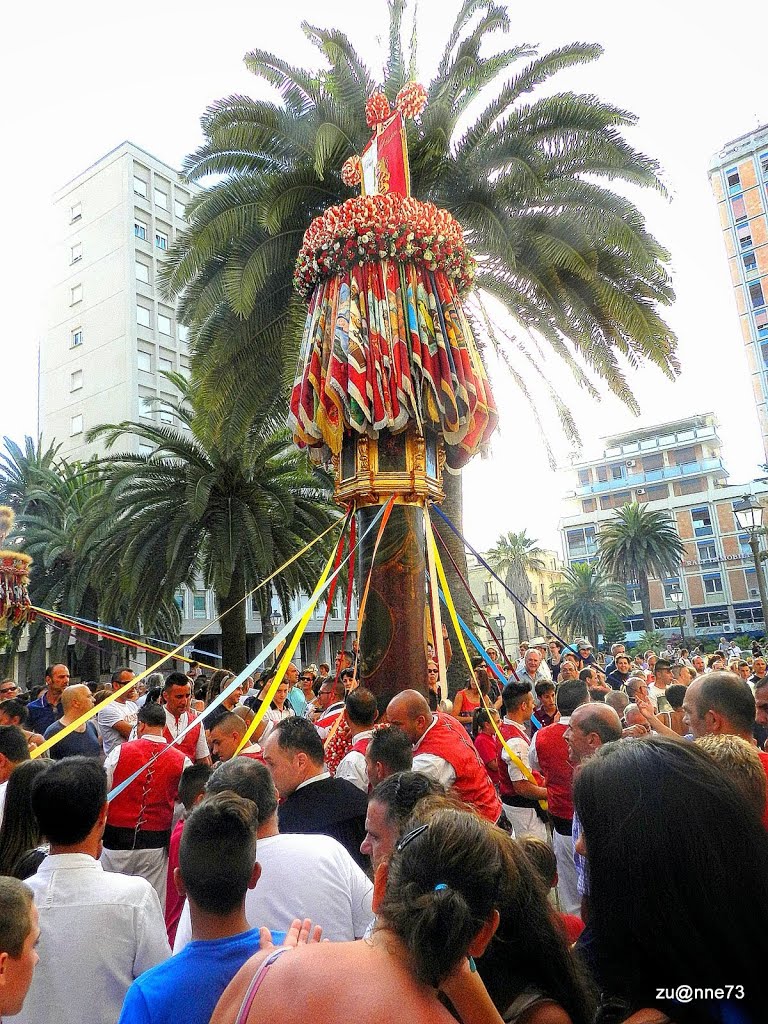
(80,78)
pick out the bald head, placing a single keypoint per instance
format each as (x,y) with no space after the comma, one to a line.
(719,702)
(591,725)
(409,711)
(76,699)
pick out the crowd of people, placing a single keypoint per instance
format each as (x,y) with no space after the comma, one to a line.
(570,838)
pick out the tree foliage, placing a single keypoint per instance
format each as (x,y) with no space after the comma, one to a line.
(514,556)
(586,599)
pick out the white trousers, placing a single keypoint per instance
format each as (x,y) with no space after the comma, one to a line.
(566,874)
(525,822)
(149,864)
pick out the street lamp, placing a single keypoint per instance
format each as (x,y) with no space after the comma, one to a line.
(276,619)
(749,518)
(677,596)
(501,622)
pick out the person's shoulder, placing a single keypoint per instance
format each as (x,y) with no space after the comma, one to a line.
(349,791)
(52,730)
(127,888)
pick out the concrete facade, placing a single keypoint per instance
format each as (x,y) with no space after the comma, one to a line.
(675,467)
(738,175)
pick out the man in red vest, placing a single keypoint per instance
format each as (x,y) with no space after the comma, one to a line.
(226,736)
(138,829)
(361,712)
(177,695)
(549,755)
(443,751)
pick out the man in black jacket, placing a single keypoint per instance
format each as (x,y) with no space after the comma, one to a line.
(618,677)
(311,800)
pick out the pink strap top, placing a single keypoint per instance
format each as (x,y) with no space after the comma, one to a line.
(253,988)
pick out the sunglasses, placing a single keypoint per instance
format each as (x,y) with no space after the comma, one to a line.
(410,837)
(11,689)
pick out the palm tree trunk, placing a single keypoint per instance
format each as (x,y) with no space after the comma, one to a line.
(520,587)
(645,601)
(89,657)
(453,506)
(233,654)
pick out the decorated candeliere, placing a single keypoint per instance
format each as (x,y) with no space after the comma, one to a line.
(15,606)
(390,386)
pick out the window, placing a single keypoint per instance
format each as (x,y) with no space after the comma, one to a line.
(618,472)
(75,212)
(75,380)
(713,583)
(584,477)
(702,522)
(491,594)
(750,262)
(658,493)
(602,474)
(166,416)
(178,597)
(744,235)
(142,272)
(161,240)
(707,551)
(764,164)
(140,230)
(143,316)
(161,199)
(756,296)
(163,324)
(76,252)
(140,187)
(179,208)
(738,209)
(581,542)
(732,180)
(76,426)
(146,407)
(670,585)
(145,361)
(75,294)
(761,323)
(685,456)
(166,365)
(183,333)
(744,549)
(76,337)
(633,592)
(588,505)
(198,606)
(145,449)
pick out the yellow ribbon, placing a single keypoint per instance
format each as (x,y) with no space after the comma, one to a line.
(516,761)
(171,654)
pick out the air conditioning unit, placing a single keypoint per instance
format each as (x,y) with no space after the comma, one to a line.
(630,463)
(640,490)
(754,592)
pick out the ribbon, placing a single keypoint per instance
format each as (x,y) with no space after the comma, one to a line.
(302,619)
(460,628)
(88,715)
(512,594)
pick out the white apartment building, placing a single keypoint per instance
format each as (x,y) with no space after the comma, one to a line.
(111,335)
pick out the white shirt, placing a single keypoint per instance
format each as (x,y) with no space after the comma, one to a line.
(352,765)
(324,774)
(272,716)
(520,745)
(432,765)
(114,756)
(303,876)
(98,931)
(115,712)
(542,672)
(533,757)
(177,725)
(4,786)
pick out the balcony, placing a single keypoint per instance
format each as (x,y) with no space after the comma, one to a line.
(640,479)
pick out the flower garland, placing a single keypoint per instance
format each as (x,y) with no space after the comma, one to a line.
(367,229)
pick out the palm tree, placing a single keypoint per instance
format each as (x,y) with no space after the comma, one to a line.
(514,556)
(586,600)
(637,543)
(195,508)
(568,259)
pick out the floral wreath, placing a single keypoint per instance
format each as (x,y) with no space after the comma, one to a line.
(370,228)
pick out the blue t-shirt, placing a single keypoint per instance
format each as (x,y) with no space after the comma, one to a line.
(82,744)
(187,987)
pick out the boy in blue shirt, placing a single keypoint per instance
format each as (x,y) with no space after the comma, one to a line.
(217,866)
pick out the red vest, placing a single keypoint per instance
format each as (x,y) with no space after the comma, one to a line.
(764,758)
(152,795)
(188,746)
(449,739)
(552,752)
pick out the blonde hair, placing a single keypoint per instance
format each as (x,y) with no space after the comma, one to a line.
(741,763)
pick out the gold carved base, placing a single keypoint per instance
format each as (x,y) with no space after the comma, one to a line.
(408,464)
